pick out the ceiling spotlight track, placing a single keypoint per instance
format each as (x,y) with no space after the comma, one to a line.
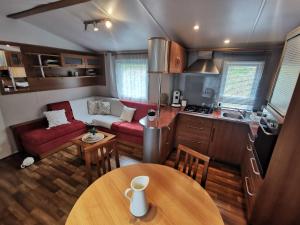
(94,23)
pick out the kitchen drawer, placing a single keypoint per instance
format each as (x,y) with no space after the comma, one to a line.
(194,127)
(252,179)
(195,122)
(195,144)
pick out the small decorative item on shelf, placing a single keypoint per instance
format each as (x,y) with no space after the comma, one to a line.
(151,115)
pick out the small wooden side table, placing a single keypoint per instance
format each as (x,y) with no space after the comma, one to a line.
(83,149)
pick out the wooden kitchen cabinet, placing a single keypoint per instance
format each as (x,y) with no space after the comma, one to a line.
(251,177)
(14,59)
(228,141)
(167,135)
(194,132)
(177,58)
(93,61)
(73,60)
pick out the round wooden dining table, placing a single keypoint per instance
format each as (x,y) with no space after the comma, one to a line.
(174,198)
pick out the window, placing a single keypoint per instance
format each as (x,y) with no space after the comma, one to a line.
(239,83)
(287,76)
(132,77)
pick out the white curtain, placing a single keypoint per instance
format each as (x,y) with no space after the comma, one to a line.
(131,76)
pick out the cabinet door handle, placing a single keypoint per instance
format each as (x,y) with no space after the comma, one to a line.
(250,139)
(177,61)
(249,148)
(197,142)
(247,187)
(252,160)
(193,127)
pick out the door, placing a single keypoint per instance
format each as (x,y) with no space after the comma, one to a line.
(92,61)
(3,62)
(14,59)
(228,141)
(177,58)
(73,60)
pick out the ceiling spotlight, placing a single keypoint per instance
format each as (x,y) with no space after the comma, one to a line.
(226,41)
(196,27)
(95,24)
(108,24)
(95,27)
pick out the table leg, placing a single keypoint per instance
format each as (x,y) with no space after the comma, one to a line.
(88,166)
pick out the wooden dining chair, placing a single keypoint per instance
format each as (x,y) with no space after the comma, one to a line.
(191,161)
(101,156)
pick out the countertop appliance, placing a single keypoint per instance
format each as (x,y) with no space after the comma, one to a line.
(264,143)
(176,99)
(203,109)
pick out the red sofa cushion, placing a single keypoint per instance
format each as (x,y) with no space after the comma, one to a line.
(62,105)
(46,148)
(42,135)
(133,128)
(141,108)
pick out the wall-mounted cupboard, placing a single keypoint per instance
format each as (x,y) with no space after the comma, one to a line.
(48,68)
(165,56)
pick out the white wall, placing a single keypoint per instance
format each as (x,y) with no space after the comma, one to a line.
(18,108)
(22,32)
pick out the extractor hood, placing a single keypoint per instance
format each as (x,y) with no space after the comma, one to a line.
(204,64)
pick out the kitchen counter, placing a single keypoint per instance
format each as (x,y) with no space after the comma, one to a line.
(167,115)
(159,134)
(253,126)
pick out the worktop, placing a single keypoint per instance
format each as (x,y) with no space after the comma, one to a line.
(167,115)
(159,133)
(253,126)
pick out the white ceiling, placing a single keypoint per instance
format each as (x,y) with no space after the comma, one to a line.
(134,21)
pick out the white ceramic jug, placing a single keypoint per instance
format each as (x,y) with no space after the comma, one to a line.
(138,202)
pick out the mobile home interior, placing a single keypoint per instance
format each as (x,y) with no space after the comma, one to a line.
(149,112)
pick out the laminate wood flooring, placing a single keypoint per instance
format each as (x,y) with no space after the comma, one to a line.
(45,192)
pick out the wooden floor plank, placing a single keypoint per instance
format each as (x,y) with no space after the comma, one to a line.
(45,192)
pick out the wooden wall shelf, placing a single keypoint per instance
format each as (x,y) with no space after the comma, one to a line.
(64,74)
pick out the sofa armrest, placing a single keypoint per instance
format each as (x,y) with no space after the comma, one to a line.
(21,128)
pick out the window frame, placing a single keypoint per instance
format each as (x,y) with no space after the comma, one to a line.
(236,101)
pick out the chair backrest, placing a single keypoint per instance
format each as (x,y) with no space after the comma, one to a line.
(102,156)
(191,161)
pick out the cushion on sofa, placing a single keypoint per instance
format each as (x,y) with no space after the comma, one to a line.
(141,108)
(133,128)
(49,147)
(42,135)
(62,105)
(99,120)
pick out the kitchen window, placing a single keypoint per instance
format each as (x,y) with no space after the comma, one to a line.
(239,84)
(132,77)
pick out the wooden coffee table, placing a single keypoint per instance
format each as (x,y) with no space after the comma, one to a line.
(84,148)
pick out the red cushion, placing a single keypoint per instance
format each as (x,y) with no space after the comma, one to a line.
(133,128)
(47,147)
(62,105)
(141,108)
(42,135)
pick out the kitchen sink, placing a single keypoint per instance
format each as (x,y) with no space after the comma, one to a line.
(233,115)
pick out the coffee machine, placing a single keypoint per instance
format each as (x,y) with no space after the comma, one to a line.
(176,98)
